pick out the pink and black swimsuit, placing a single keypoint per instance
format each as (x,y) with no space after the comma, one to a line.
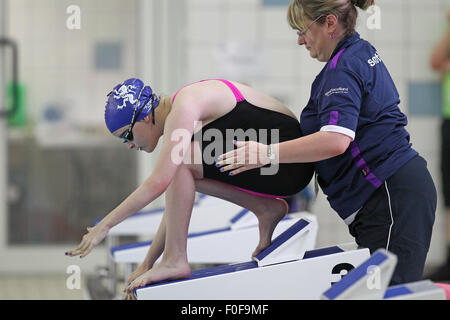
(253,123)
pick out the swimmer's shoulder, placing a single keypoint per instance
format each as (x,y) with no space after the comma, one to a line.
(263,100)
(211,97)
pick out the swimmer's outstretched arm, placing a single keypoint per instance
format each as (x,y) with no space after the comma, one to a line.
(178,130)
(143,195)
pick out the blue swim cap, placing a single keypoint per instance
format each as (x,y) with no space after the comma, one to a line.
(122,100)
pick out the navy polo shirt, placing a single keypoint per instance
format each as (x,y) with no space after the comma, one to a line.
(354,95)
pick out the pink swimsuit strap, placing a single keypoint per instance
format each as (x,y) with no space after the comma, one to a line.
(236,92)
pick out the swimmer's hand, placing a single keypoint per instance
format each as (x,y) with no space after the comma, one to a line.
(248,155)
(94,236)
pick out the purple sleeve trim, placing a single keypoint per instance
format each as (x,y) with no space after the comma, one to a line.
(334,118)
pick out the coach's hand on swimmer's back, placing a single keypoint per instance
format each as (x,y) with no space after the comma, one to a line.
(248,155)
(94,236)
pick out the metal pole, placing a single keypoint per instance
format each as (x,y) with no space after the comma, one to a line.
(3,135)
(4,44)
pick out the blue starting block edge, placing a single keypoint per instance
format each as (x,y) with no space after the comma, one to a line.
(153,211)
(229,268)
(208,272)
(282,238)
(354,275)
(243,212)
(138,214)
(143,244)
(322,252)
(191,235)
(201,196)
(396,291)
(238,216)
(130,246)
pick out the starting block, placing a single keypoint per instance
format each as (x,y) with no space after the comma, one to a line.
(284,270)
(231,244)
(420,290)
(370,281)
(207,213)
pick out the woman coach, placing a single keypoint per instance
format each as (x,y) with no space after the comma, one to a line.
(355,133)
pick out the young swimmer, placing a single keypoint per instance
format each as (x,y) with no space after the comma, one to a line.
(198,123)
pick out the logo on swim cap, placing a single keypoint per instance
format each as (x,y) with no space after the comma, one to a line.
(125,93)
(122,101)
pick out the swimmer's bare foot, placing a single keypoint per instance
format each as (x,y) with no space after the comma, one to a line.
(140,270)
(129,296)
(160,272)
(268,220)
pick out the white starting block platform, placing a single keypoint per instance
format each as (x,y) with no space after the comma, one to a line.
(370,280)
(231,244)
(207,213)
(285,270)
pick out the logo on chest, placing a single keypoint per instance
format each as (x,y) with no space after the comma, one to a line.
(336,90)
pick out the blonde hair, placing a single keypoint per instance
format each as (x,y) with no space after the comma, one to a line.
(344,10)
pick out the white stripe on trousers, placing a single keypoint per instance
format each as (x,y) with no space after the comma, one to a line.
(392,217)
